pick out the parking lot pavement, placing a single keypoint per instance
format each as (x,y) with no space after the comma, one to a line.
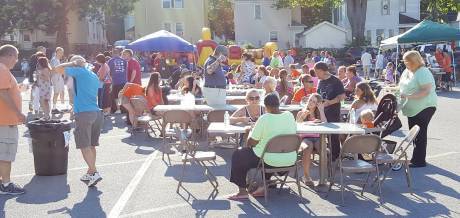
(137,183)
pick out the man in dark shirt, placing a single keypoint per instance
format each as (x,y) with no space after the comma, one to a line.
(215,84)
(332,91)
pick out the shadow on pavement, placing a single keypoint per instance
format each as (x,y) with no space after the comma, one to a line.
(90,206)
(45,189)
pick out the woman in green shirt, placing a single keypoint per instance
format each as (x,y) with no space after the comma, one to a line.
(417,85)
(271,124)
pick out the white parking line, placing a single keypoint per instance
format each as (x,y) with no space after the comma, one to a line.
(443,154)
(116,210)
(80,168)
(153,210)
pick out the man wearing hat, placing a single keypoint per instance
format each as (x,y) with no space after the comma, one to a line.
(214,89)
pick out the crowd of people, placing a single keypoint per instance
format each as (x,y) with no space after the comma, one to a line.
(108,84)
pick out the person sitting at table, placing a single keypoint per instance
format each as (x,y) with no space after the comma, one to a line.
(262,74)
(249,113)
(306,89)
(269,86)
(154,94)
(350,82)
(191,86)
(367,118)
(341,73)
(313,112)
(244,159)
(284,87)
(248,68)
(295,74)
(365,99)
(314,78)
(129,91)
(275,73)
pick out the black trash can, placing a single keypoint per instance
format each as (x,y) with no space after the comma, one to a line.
(48,146)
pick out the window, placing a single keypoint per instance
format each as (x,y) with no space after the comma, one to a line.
(385,7)
(180,29)
(167,27)
(402,6)
(26,37)
(380,35)
(273,36)
(257,12)
(391,33)
(178,4)
(369,35)
(173,4)
(167,4)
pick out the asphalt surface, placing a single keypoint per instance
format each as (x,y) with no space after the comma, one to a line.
(137,183)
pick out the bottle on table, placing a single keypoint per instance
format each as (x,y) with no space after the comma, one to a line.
(226,118)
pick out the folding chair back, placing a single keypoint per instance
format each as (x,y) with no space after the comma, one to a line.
(176,116)
(283,144)
(139,104)
(217,116)
(361,144)
(406,142)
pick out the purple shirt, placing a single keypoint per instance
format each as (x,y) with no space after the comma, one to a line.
(118,70)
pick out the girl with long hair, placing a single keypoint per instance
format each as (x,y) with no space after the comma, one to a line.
(44,84)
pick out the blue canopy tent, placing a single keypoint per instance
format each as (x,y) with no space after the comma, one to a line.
(161,41)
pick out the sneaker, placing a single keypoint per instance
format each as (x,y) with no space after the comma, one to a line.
(11,189)
(85,178)
(94,179)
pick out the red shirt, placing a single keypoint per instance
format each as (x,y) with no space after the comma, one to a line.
(133,65)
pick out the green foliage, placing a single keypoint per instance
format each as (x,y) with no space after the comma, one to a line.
(437,10)
(306,3)
(220,17)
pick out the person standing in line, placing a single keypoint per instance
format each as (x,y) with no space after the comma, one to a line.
(12,116)
(379,65)
(88,115)
(288,60)
(118,68)
(57,80)
(41,52)
(331,90)
(366,61)
(134,68)
(214,89)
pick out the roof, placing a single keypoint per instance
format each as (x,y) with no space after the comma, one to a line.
(314,28)
(404,19)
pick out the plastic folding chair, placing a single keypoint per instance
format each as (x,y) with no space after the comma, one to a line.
(171,118)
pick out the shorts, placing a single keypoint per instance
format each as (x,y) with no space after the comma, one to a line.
(9,138)
(312,141)
(88,128)
(58,83)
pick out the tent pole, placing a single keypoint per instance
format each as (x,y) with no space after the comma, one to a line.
(396,63)
(455,72)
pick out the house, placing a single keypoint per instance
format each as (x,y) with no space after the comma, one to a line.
(83,34)
(384,18)
(323,35)
(185,18)
(258,22)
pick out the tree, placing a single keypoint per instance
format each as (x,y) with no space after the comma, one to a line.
(220,17)
(437,10)
(356,13)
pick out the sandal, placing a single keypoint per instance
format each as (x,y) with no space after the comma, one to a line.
(238,197)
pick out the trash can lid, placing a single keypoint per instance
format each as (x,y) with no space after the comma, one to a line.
(49,125)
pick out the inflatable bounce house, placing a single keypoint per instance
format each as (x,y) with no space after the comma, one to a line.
(205,46)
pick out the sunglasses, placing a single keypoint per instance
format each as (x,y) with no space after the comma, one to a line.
(309,81)
(254,98)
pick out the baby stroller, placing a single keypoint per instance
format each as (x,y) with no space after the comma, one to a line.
(387,119)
